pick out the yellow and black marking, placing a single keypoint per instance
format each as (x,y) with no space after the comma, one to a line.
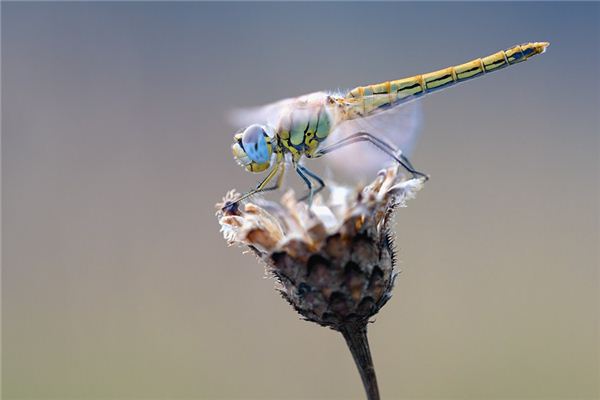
(303,131)
(365,100)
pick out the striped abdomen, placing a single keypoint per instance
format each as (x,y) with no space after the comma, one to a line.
(365,99)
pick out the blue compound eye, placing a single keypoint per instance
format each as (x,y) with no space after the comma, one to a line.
(255,144)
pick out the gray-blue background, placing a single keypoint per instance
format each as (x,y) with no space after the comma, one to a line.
(116,282)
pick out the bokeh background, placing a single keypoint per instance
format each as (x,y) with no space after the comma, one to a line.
(117,284)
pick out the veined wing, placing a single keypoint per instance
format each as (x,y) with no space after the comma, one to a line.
(399,126)
(271,113)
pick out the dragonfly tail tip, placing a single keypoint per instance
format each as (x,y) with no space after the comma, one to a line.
(542,46)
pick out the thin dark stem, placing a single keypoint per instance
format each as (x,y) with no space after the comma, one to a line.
(356,338)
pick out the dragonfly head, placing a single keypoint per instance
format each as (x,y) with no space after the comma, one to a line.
(253,148)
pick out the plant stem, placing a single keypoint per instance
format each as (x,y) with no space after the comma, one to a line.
(356,338)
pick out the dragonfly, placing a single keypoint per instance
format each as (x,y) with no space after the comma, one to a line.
(290,131)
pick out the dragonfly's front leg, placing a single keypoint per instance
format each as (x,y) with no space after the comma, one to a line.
(380,144)
(279,181)
(232,205)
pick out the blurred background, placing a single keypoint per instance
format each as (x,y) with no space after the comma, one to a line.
(117,283)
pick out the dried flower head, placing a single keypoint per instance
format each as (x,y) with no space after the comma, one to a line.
(334,261)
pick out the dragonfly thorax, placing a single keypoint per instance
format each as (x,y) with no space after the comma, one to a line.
(303,128)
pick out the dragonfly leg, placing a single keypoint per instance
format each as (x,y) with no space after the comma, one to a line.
(308,183)
(373,139)
(316,178)
(380,144)
(279,181)
(406,160)
(230,206)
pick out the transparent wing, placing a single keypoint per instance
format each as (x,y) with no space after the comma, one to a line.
(271,113)
(267,114)
(398,126)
